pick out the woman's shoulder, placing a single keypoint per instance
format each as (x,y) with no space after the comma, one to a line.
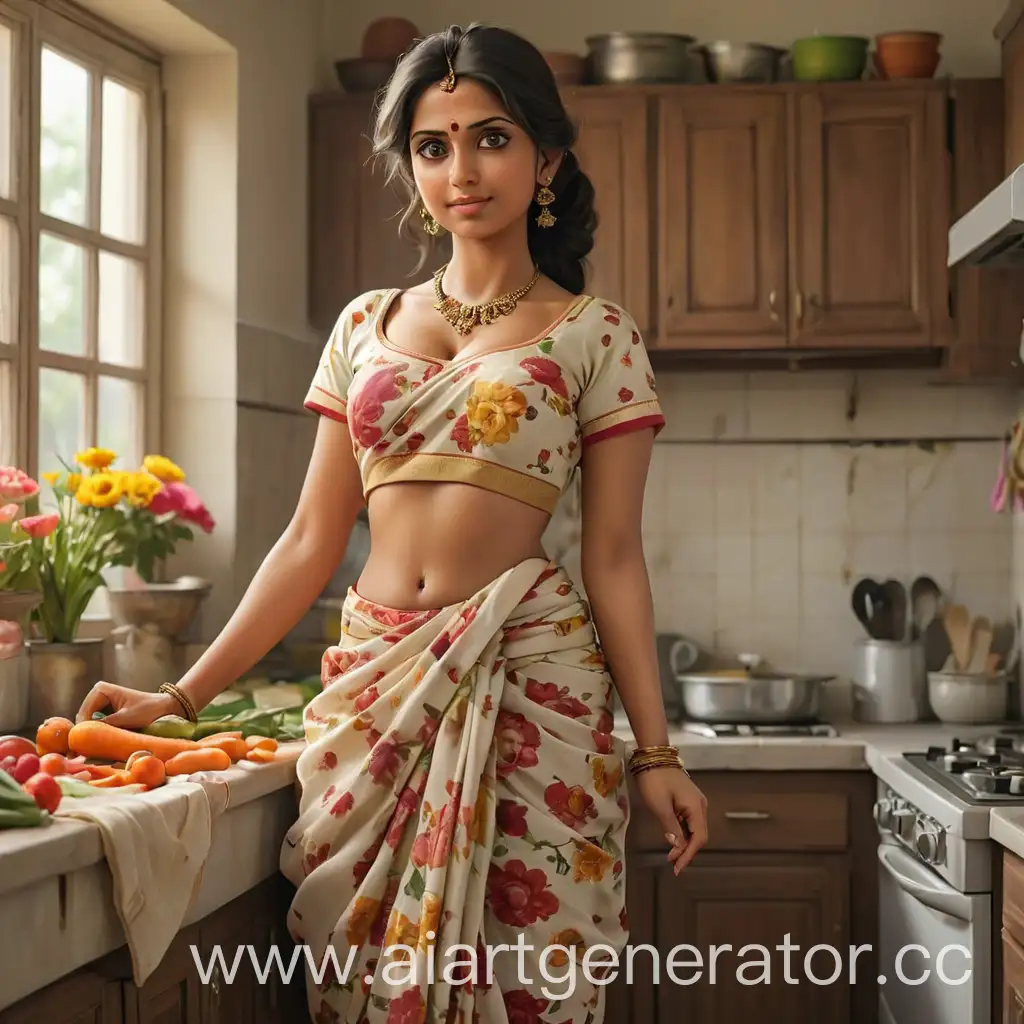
(595,313)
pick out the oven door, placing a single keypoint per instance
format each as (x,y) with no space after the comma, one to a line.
(925,927)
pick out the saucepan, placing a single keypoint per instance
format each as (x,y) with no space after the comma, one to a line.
(750,695)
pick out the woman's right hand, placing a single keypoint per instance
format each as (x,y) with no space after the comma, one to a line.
(133,709)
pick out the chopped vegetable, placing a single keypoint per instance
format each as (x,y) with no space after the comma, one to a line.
(110,743)
(72,786)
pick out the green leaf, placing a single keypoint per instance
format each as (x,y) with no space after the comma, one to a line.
(546,345)
(500,851)
(416,886)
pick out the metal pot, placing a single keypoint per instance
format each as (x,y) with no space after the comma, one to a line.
(740,62)
(632,57)
(736,696)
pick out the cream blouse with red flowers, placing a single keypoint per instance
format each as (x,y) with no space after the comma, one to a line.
(512,420)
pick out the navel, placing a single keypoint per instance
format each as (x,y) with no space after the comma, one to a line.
(421,583)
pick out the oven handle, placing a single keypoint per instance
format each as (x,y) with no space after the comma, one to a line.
(954,904)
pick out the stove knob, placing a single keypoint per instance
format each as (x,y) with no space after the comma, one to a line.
(883,813)
(903,824)
(928,846)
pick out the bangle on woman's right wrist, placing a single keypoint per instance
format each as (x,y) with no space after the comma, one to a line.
(186,705)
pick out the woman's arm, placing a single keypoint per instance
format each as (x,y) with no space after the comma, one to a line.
(295,571)
(615,576)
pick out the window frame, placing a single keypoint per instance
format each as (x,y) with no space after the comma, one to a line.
(106,52)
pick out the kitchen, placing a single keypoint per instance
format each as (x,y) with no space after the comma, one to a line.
(772,495)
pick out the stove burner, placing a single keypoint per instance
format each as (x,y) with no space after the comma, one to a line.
(716,730)
(996,780)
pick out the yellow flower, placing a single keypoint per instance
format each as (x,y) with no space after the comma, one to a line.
(361,920)
(101,490)
(401,932)
(95,458)
(430,921)
(569,938)
(589,862)
(163,469)
(140,489)
(51,478)
(73,482)
(493,411)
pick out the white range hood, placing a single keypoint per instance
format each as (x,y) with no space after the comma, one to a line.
(992,233)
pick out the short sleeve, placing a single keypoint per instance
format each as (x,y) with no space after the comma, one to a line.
(619,391)
(328,390)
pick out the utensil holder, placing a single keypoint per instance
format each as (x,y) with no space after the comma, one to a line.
(890,682)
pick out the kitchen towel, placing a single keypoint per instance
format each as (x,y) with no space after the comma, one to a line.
(156,844)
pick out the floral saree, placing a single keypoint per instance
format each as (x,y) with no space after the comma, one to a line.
(460,840)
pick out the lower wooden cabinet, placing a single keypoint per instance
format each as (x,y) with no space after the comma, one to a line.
(103,993)
(790,864)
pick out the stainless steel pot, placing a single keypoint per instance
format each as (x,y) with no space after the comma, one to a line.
(740,62)
(621,57)
(735,697)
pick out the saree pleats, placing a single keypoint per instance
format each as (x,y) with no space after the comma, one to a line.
(461,792)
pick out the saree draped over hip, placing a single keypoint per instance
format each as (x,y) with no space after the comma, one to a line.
(460,841)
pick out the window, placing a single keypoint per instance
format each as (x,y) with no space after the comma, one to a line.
(79,239)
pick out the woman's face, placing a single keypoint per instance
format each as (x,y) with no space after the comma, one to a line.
(475,169)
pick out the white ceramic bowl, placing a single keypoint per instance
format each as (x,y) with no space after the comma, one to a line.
(963,698)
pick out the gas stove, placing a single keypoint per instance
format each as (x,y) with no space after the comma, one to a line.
(780,730)
(986,769)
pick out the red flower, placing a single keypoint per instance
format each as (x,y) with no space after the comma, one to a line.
(460,434)
(549,695)
(314,859)
(38,527)
(366,698)
(367,407)
(625,395)
(572,805)
(342,805)
(182,500)
(546,372)
(602,741)
(519,895)
(523,1008)
(385,760)
(517,741)
(407,804)
(510,818)
(328,762)
(408,1008)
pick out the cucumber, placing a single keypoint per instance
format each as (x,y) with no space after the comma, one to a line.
(28,817)
(171,727)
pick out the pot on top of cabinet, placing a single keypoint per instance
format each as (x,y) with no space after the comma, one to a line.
(640,57)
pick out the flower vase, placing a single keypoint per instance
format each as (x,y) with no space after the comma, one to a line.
(61,676)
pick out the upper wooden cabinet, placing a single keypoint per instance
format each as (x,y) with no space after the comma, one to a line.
(770,221)
(1010,32)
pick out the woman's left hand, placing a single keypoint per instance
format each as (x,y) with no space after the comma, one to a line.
(673,798)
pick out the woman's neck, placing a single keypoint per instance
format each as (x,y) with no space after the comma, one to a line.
(482,269)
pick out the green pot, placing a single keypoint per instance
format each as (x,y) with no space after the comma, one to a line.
(829,58)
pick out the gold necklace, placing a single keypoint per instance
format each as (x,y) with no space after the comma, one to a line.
(464,317)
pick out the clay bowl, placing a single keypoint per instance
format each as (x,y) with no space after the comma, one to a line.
(908,54)
(568,68)
(386,39)
(360,75)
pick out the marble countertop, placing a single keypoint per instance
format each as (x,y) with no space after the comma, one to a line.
(1006,827)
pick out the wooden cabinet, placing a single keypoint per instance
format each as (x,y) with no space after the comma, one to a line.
(790,864)
(1010,32)
(175,993)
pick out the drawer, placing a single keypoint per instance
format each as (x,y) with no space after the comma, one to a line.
(757,817)
(1013,895)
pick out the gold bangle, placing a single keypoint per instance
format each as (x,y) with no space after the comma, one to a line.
(663,756)
(186,704)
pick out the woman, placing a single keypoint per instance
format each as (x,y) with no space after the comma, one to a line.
(461,788)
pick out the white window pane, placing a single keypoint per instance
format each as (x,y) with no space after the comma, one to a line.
(122,178)
(7,122)
(121,310)
(64,138)
(8,281)
(8,397)
(119,414)
(61,418)
(61,296)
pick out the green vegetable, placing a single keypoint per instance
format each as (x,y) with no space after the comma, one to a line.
(75,787)
(17,808)
(171,727)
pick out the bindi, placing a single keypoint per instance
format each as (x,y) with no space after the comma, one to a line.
(454,126)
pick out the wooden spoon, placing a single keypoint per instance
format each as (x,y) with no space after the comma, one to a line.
(981,644)
(957,620)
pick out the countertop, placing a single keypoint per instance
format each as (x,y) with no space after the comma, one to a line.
(1006,827)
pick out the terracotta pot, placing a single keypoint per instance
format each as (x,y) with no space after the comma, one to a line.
(908,54)
(60,677)
(386,39)
(568,68)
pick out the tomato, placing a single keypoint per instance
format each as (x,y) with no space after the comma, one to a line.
(53,764)
(15,746)
(27,766)
(45,790)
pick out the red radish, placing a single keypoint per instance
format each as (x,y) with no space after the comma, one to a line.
(45,790)
(27,766)
(15,746)
(8,763)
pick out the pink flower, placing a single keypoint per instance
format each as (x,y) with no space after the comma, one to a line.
(8,512)
(16,485)
(185,503)
(38,527)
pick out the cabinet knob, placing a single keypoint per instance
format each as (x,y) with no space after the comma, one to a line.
(772,310)
(747,815)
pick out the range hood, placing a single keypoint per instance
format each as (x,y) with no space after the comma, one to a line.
(992,233)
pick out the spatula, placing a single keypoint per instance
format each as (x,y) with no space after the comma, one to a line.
(981,645)
(957,620)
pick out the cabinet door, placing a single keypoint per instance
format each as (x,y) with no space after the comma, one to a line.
(871,215)
(1013,77)
(731,905)
(173,993)
(80,998)
(613,151)
(722,219)
(354,240)
(1013,981)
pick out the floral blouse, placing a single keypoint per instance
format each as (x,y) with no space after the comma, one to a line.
(512,420)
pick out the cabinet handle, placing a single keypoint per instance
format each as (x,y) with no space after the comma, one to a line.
(747,815)
(772,311)
(798,300)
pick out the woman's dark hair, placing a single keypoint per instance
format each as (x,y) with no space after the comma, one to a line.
(516,72)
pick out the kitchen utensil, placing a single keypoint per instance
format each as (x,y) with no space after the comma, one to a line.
(871,606)
(925,601)
(981,644)
(568,68)
(889,681)
(739,62)
(829,58)
(360,75)
(386,39)
(896,599)
(907,54)
(677,654)
(621,57)
(964,698)
(957,621)
(747,696)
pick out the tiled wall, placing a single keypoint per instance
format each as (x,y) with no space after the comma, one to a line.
(771,495)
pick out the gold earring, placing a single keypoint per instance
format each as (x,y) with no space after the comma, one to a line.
(545,197)
(429,224)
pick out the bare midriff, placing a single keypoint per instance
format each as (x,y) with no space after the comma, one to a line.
(435,544)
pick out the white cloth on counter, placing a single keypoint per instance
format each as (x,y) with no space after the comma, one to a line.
(156,844)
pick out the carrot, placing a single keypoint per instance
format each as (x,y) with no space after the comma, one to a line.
(215,737)
(202,759)
(148,770)
(110,743)
(262,742)
(260,755)
(82,776)
(233,746)
(119,778)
